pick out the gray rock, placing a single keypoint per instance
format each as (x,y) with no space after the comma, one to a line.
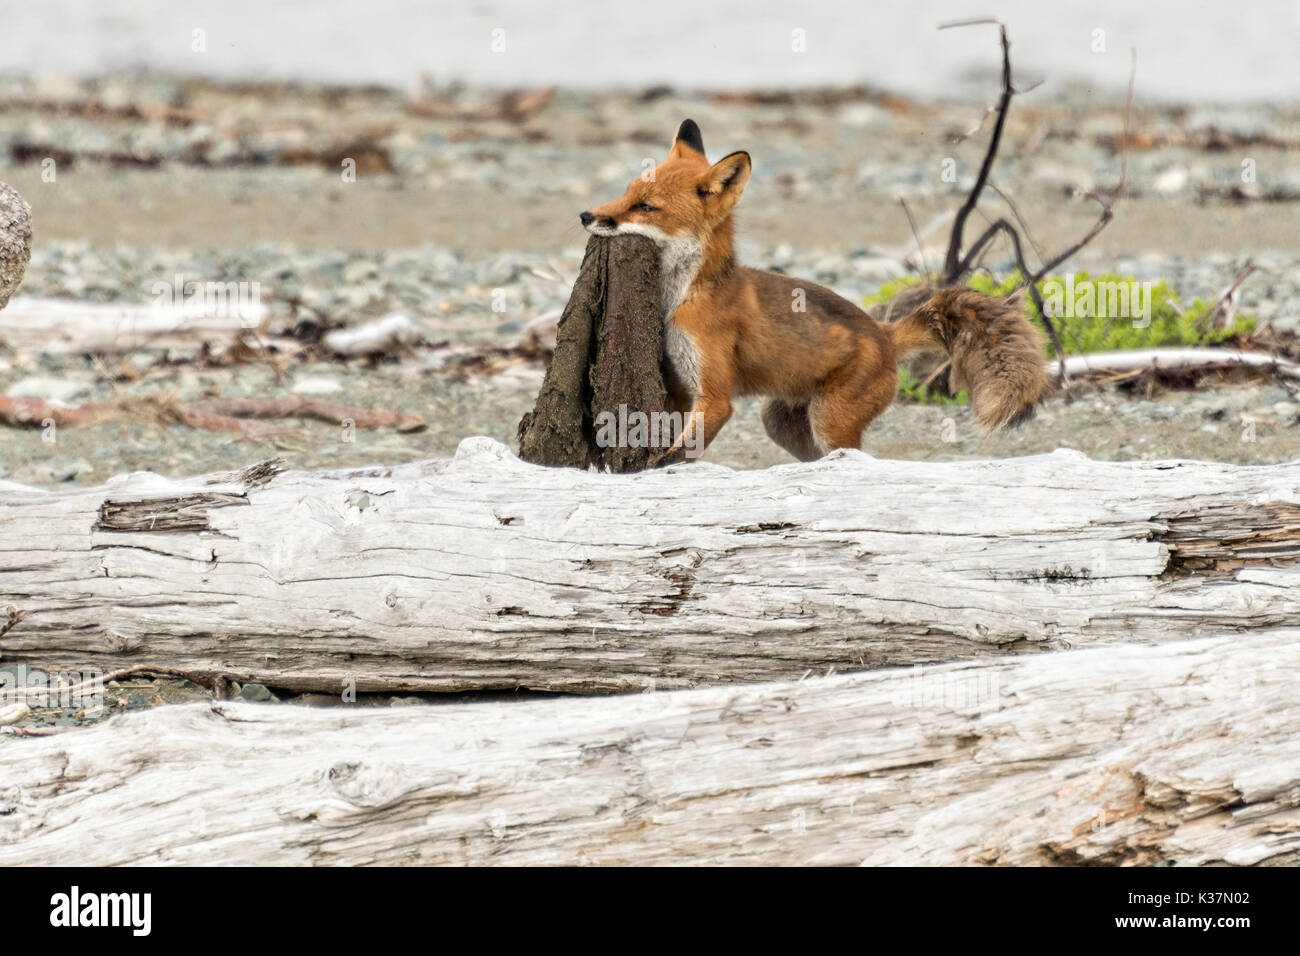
(360,270)
(15,241)
(254,692)
(49,389)
(316,385)
(51,471)
(1172,181)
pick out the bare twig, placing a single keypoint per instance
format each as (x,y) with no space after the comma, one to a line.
(1110,197)
(1107,202)
(217,414)
(1001,225)
(1225,307)
(957,265)
(217,685)
(270,359)
(925,386)
(953,263)
(302,406)
(920,247)
(39,731)
(1020,220)
(979,124)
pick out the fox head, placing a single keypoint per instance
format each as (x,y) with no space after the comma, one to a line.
(684,197)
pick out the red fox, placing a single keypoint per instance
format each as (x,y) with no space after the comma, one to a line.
(825,367)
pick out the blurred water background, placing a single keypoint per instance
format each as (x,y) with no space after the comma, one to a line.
(1188,51)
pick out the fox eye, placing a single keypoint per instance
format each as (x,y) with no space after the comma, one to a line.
(645,207)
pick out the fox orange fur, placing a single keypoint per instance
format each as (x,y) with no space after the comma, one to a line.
(825,367)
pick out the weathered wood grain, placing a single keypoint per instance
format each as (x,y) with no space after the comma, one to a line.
(485,572)
(1188,752)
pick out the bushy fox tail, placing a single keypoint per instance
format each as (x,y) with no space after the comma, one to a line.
(996,353)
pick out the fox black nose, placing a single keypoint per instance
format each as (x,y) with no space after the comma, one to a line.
(586,218)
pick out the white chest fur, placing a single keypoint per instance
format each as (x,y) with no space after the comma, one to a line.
(682,357)
(679,262)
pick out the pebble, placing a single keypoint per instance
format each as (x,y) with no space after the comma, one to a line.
(49,471)
(1171,181)
(316,385)
(255,692)
(66,390)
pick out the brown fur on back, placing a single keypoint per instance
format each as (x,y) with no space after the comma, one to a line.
(996,353)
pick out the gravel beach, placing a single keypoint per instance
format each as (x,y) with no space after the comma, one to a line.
(467,224)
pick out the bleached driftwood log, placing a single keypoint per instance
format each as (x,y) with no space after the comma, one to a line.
(1187,752)
(60,326)
(486,572)
(1172,359)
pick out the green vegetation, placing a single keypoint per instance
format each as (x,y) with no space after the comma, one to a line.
(1095,313)
(916,391)
(889,290)
(1092,329)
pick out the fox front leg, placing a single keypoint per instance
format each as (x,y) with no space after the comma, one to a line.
(701,426)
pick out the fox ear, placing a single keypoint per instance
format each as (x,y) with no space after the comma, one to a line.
(688,141)
(726,178)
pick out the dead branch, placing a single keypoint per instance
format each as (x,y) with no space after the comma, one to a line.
(957,265)
(516,106)
(217,685)
(362,147)
(98,110)
(953,263)
(26,151)
(920,246)
(1182,359)
(1020,220)
(1001,225)
(302,406)
(252,430)
(37,413)
(1225,307)
(40,731)
(220,414)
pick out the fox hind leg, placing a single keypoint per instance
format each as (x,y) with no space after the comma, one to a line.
(788,424)
(841,412)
